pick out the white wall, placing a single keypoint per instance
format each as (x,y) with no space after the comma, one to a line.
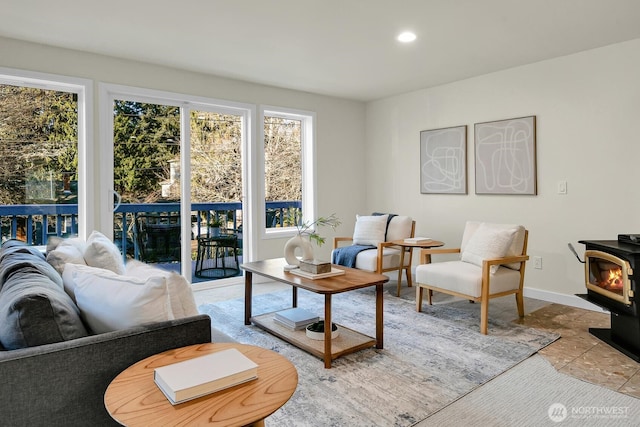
(587,107)
(339,131)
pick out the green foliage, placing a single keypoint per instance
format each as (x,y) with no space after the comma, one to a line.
(39,143)
(310,227)
(146,138)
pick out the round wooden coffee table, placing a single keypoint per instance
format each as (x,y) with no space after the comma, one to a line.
(133,398)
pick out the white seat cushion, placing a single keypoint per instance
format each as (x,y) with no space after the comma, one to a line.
(367,260)
(465,278)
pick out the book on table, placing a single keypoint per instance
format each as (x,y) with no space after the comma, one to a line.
(334,272)
(183,381)
(295,318)
(418,240)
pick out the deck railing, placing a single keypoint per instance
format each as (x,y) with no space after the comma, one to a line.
(35,224)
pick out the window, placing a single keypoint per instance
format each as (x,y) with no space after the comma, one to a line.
(288,169)
(43,131)
(175,156)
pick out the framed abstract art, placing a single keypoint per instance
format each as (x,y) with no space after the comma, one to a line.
(505,156)
(443,161)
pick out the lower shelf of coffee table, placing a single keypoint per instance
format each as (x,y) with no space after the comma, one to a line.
(346,342)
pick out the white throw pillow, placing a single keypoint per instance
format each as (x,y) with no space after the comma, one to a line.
(108,302)
(70,272)
(370,230)
(183,304)
(103,253)
(488,242)
(66,252)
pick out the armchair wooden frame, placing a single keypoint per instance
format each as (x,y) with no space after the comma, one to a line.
(425,258)
(339,241)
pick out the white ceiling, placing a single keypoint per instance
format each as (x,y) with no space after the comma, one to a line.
(344,48)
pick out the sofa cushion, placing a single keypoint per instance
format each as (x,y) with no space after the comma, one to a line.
(35,311)
(183,303)
(103,253)
(370,230)
(66,252)
(110,302)
(69,274)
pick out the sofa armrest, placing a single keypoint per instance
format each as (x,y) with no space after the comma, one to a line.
(68,379)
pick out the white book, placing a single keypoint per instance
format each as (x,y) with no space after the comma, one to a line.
(333,272)
(418,240)
(202,375)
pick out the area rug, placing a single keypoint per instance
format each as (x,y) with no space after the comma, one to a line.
(429,360)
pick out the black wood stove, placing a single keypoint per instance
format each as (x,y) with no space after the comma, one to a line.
(612,276)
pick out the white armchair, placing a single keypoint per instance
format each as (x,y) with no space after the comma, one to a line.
(492,264)
(379,231)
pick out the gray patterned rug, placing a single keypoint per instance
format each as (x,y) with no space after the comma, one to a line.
(429,360)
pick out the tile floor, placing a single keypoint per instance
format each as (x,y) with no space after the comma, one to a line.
(580,354)
(576,353)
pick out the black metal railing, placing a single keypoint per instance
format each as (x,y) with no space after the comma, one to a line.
(35,224)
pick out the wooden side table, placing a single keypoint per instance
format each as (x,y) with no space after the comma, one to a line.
(133,398)
(430,244)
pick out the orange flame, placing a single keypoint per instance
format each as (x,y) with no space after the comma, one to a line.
(614,281)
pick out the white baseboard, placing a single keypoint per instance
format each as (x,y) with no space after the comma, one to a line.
(564,299)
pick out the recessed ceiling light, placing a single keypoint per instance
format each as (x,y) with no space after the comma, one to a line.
(406,37)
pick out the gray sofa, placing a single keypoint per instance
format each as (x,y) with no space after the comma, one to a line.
(63,384)
(53,370)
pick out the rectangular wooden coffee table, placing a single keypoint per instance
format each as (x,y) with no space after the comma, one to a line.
(348,340)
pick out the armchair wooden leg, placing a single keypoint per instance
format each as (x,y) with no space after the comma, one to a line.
(430,296)
(484,316)
(408,272)
(520,303)
(419,290)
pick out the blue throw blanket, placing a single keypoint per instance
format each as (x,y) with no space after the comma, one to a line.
(347,255)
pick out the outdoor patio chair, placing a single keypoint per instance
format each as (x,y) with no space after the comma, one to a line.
(158,238)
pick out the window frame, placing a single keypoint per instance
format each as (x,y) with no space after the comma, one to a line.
(110,92)
(83,88)
(309,182)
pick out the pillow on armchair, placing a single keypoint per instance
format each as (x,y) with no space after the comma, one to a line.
(370,230)
(488,242)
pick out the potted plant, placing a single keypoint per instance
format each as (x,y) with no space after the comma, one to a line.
(307,232)
(310,228)
(214,225)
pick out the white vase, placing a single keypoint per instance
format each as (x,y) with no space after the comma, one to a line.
(297,242)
